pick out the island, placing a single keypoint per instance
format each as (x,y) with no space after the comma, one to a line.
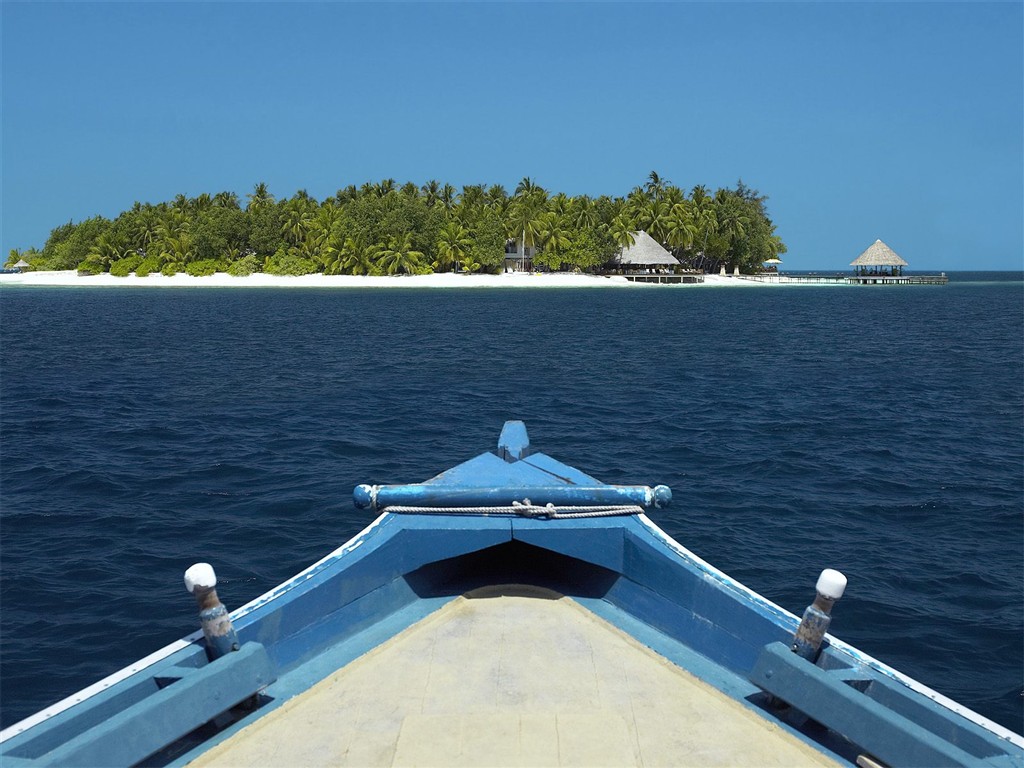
(382,229)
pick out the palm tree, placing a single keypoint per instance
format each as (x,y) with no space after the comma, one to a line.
(622,230)
(653,218)
(353,257)
(553,238)
(399,256)
(582,213)
(319,240)
(181,204)
(143,228)
(226,200)
(704,219)
(680,227)
(636,201)
(655,186)
(447,196)
(731,221)
(385,188)
(346,195)
(673,196)
(524,222)
(431,192)
(471,265)
(472,196)
(259,197)
(105,251)
(178,249)
(525,187)
(297,216)
(452,245)
(313,248)
(171,223)
(497,197)
(559,203)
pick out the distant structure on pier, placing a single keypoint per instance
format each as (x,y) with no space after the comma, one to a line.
(645,253)
(645,261)
(878,265)
(879,260)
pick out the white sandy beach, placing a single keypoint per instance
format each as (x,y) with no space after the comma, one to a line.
(438,280)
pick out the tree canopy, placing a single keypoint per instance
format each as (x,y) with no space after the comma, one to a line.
(385,228)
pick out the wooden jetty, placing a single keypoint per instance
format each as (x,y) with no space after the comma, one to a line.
(880,265)
(867,279)
(877,265)
(940,279)
(667,277)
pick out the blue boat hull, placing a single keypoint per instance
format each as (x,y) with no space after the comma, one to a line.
(176,704)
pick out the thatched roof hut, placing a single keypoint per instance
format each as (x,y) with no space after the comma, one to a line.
(644,252)
(878,255)
(879,258)
(22,265)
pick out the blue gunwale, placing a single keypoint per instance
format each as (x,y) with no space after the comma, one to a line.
(403,567)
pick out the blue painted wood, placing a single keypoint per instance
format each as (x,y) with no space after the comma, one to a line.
(559,471)
(437,495)
(487,470)
(167,715)
(597,540)
(399,545)
(513,443)
(17,762)
(656,609)
(876,729)
(106,704)
(407,564)
(899,699)
(695,607)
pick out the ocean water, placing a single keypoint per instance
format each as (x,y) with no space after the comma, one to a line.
(875,430)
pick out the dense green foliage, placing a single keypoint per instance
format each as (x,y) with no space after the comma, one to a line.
(204,267)
(384,229)
(124,267)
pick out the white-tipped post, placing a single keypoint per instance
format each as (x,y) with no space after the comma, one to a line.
(815,622)
(200,575)
(220,635)
(831,584)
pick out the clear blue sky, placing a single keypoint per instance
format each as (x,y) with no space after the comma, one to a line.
(863,120)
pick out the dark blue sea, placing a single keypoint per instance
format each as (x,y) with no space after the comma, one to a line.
(878,430)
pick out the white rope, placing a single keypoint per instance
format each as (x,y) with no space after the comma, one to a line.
(525,509)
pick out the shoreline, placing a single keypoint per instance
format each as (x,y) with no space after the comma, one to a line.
(71,278)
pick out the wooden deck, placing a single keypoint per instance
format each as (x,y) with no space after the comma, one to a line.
(840,279)
(512,676)
(671,279)
(900,279)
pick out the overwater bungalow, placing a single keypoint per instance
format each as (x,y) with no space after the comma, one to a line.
(880,265)
(879,260)
(645,261)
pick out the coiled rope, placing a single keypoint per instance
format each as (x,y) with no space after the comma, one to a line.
(525,508)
